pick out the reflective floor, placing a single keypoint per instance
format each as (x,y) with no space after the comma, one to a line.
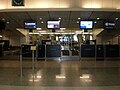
(60,75)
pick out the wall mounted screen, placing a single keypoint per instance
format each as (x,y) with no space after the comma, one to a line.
(30,25)
(86,24)
(53,24)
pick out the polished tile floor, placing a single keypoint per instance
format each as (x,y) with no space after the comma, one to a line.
(60,75)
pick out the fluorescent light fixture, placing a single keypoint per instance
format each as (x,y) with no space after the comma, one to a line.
(56,33)
(71,33)
(62,28)
(42,31)
(64,33)
(87,33)
(39,28)
(79,32)
(33,33)
(98,18)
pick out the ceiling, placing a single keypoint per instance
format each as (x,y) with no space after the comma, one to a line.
(68,18)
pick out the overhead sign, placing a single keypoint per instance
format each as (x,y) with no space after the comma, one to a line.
(110,25)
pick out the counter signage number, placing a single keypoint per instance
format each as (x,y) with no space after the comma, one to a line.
(17,2)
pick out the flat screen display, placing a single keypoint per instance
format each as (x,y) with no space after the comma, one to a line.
(2,25)
(86,24)
(30,25)
(53,24)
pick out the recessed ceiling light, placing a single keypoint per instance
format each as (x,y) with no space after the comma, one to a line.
(3,19)
(95,21)
(59,18)
(77,21)
(79,18)
(116,18)
(1,36)
(98,18)
(7,22)
(42,22)
(40,18)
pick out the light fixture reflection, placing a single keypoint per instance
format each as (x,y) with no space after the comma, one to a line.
(34,80)
(85,76)
(37,77)
(60,77)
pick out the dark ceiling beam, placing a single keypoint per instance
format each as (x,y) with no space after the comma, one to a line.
(49,15)
(69,18)
(90,15)
(30,17)
(6,13)
(112,14)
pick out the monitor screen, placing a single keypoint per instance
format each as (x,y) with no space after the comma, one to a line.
(86,24)
(2,25)
(53,24)
(30,25)
(109,25)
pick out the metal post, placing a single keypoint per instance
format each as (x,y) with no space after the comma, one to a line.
(95,54)
(21,65)
(80,53)
(104,55)
(45,52)
(33,62)
(36,57)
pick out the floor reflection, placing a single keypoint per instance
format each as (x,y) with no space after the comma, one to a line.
(61,74)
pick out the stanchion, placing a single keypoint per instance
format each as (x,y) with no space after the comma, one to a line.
(80,53)
(33,63)
(36,56)
(21,66)
(95,66)
(33,48)
(45,52)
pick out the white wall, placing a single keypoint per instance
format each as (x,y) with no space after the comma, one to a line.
(102,4)
(105,39)
(14,40)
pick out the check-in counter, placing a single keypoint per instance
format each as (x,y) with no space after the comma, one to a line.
(100,51)
(87,50)
(41,51)
(112,50)
(1,50)
(26,51)
(53,51)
